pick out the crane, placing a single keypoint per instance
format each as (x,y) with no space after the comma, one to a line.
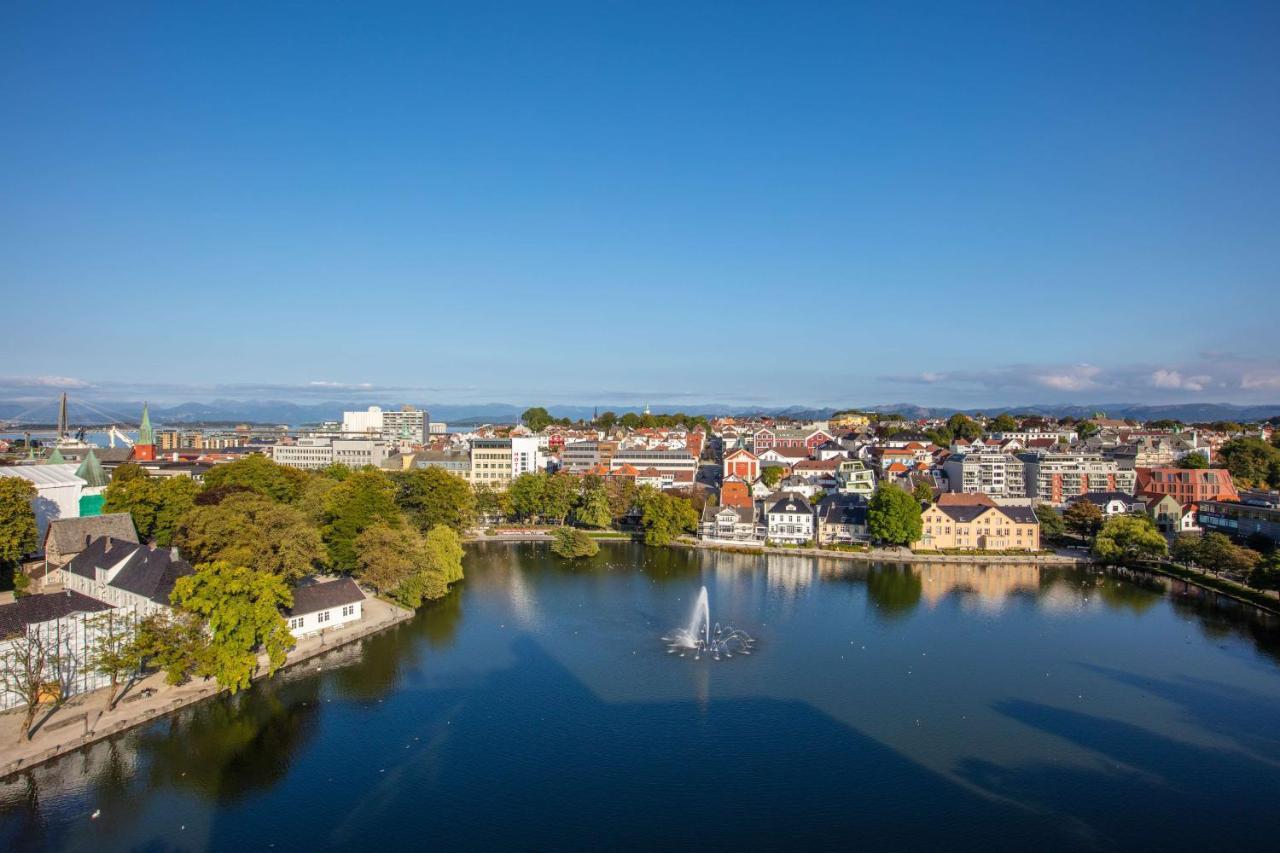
(113,432)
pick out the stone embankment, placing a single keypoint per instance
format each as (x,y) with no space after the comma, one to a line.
(85,719)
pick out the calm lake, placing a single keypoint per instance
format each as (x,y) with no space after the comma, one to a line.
(938,707)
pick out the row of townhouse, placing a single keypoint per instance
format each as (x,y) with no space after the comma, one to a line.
(786,517)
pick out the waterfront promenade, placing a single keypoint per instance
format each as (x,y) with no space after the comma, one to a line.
(85,719)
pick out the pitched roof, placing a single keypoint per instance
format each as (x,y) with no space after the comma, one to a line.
(91,472)
(71,535)
(44,475)
(746,514)
(322,595)
(790,502)
(148,572)
(963,513)
(33,609)
(965,499)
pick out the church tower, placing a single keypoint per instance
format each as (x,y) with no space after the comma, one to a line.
(144,450)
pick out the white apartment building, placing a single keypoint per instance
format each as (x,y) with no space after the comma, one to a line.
(1058,477)
(998,475)
(406,423)
(789,519)
(308,453)
(527,456)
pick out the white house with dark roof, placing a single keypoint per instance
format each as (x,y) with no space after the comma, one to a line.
(126,574)
(789,518)
(321,605)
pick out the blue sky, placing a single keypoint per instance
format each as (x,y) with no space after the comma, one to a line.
(774,203)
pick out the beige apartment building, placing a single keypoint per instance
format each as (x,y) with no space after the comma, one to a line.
(491,462)
(979,525)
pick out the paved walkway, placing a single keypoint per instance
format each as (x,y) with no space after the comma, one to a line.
(892,555)
(85,718)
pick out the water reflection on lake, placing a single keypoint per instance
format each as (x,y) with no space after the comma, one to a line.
(932,706)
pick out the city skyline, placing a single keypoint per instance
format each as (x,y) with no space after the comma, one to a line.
(1019,204)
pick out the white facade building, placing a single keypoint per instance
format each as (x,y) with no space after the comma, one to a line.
(58,491)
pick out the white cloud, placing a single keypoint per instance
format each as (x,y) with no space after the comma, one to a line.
(1078,378)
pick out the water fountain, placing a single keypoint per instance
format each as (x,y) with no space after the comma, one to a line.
(702,637)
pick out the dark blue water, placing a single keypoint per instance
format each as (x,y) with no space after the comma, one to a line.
(536,708)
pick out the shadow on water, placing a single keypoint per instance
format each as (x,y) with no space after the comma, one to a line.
(674,773)
(1146,792)
(1250,719)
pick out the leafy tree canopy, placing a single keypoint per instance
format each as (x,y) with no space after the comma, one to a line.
(893,516)
(1124,538)
(432,496)
(250,529)
(257,472)
(363,499)
(241,608)
(572,543)
(156,504)
(17,519)
(664,517)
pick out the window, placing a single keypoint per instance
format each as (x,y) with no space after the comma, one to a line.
(296,622)
(322,616)
(348,610)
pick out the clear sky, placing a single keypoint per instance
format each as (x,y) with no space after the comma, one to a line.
(775,203)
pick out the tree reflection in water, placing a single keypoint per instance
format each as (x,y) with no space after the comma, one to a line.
(894,590)
(228,748)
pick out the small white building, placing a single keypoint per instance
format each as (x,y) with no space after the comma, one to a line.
(322,605)
(58,491)
(789,519)
(62,636)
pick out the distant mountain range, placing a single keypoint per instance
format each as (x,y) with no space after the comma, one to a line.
(294,414)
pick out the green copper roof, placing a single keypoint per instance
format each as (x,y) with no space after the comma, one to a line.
(91,472)
(55,458)
(146,435)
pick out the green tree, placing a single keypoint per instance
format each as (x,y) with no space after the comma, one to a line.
(440,566)
(1083,518)
(772,475)
(363,499)
(250,529)
(431,496)
(157,505)
(172,642)
(1004,423)
(387,556)
(559,494)
(241,608)
(630,420)
(1195,460)
(17,520)
(1266,575)
(1186,549)
(572,543)
(606,421)
(491,503)
(922,491)
(528,495)
(893,516)
(622,497)
(1086,429)
(962,426)
(664,517)
(1124,538)
(593,508)
(114,650)
(129,471)
(257,472)
(1052,527)
(536,418)
(1252,462)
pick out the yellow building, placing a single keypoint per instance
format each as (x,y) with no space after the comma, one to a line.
(979,525)
(848,420)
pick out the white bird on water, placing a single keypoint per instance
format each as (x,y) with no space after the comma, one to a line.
(95,814)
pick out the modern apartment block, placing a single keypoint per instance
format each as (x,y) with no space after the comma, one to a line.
(580,456)
(405,423)
(1188,485)
(999,475)
(309,453)
(526,455)
(1058,477)
(681,463)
